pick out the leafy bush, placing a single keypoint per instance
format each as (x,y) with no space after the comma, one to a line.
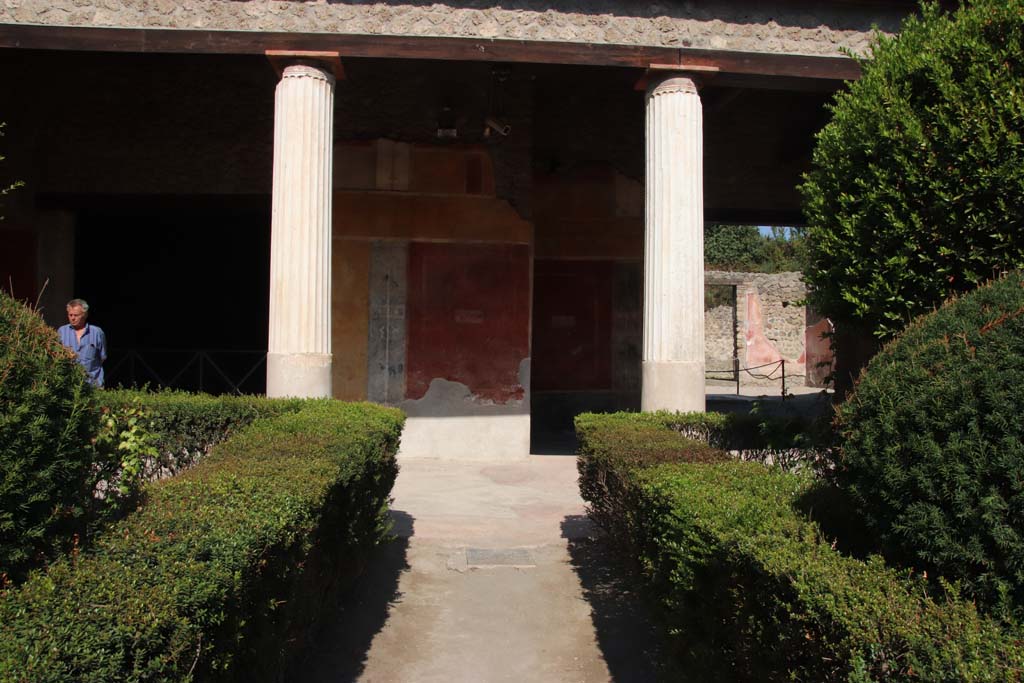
(224,565)
(129,445)
(750,591)
(917,185)
(47,425)
(932,444)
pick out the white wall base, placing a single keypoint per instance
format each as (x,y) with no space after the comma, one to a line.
(467,437)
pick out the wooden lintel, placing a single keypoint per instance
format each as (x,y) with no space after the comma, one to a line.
(279,59)
(755,68)
(699,72)
(682,66)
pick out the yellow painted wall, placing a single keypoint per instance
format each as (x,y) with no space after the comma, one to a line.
(350,317)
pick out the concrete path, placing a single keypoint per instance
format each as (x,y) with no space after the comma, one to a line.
(497,575)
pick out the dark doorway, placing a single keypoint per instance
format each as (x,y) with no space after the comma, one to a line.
(181,289)
(586,345)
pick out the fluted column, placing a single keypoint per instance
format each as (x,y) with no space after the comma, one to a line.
(673,357)
(299,347)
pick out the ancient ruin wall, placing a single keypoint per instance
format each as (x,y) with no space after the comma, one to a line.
(771,325)
(719,339)
(805,28)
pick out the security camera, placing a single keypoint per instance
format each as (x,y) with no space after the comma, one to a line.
(497,126)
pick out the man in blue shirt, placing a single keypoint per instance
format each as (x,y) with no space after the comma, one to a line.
(87,341)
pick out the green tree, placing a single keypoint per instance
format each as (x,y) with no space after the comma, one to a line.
(732,247)
(783,250)
(917,184)
(744,248)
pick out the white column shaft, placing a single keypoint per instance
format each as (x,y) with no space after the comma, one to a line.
(299,345)
(673,354)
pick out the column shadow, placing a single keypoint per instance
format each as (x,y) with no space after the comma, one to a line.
(343,644)
(631,640)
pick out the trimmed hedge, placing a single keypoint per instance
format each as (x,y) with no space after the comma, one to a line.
(616,445)
(184,427)
(789,442)
(224,565)
(750,590)
(46,430)
(932,445)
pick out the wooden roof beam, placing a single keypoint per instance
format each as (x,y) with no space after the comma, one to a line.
(752,68)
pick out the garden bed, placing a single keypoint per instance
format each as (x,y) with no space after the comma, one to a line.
(748,586)
(222,572)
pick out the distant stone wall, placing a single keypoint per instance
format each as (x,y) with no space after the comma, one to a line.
(771,324)
(807,28)
(720,338)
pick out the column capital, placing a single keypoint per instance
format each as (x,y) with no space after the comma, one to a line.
(304,70)
(329,63)
(672,82)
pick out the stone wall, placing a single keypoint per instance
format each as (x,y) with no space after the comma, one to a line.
(806,28)
(771,324)
(720,337)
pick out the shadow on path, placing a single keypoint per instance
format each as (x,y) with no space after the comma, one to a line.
(630,640)
(343,645)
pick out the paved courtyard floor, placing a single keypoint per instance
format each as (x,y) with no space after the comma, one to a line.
(496,575)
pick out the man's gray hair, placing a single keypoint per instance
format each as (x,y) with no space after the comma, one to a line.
(79,303)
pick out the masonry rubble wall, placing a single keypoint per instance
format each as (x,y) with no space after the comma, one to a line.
(771,323)
(806,28)
(720,337)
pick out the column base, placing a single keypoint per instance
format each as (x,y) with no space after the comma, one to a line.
(674,386)
(299,375)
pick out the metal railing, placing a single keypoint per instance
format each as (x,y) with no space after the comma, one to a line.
(215,371)
(777,372)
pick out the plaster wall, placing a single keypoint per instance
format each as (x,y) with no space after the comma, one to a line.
(350,318)
(801,27)
(441,270)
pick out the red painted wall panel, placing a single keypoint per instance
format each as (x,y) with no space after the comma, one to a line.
(468,309)
(572,331)
(818,353)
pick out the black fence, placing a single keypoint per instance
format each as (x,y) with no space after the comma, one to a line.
(777,372)
(213,371)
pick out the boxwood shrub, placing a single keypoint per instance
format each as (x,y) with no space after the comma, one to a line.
(792,443)
(932,445)
(223,571)
(750,590)
(183,427)
(618,445)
